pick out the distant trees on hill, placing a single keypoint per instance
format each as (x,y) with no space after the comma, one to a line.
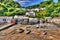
(8,8)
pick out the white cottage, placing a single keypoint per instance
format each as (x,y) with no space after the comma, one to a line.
(42,8)
(8,19)
(23,19)
(5,19)
(48,19)
(36,9)
(33,20)
(31,13)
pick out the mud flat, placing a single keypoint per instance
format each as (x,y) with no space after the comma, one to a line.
(36,33)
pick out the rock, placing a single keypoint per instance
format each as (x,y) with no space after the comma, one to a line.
(20,30)
(28,32)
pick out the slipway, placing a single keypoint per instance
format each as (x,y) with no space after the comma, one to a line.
(3,27)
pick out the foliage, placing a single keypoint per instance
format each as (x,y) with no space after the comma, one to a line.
(52,9)
(8,8)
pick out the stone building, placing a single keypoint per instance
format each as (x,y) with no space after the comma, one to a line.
(5,19)
(48,19)
(33,20)
(23,20)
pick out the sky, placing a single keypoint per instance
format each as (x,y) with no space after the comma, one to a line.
(25,3)
(55,1)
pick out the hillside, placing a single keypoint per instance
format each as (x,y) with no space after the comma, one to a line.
(8,8)
(52,9)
